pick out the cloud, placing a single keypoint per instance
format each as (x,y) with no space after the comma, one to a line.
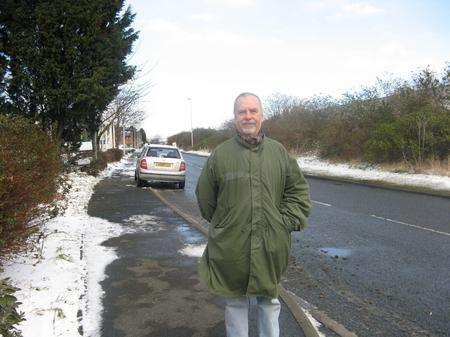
(231,3)
(159,25)
(297,57)
(344,8)
(360,9)
(204,17)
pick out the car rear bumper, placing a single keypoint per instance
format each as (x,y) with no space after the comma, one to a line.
(161,178)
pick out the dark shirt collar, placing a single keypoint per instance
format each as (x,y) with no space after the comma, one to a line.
(251,142)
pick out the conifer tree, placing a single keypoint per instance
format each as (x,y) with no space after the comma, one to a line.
(64,61)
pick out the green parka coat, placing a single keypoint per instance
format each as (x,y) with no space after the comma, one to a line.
(253,196)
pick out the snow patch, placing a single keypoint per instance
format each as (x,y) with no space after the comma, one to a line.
(83,161)
(129,173)
(116,167)
(145,221)
(141,219)
(193,250)
(61,276)
(86,146)
(200,153)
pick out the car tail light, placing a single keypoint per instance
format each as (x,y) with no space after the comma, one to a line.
(182,166)
(143,164)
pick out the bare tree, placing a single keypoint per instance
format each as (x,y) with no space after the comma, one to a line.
(124,110)
(278,104)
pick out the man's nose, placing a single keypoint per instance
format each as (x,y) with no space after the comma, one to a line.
(247,114)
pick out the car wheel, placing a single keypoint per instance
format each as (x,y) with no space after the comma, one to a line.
(139,182)
(181,185)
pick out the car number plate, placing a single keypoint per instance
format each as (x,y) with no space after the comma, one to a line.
(163,164)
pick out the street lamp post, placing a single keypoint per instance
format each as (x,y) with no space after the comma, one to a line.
(192,130)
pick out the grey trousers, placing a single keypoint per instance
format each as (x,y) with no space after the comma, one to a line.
(236,316)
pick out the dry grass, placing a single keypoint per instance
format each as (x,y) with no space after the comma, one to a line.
(431,166)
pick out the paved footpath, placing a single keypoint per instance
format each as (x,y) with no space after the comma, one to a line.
(152,289)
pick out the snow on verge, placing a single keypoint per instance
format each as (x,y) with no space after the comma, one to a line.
(200,153)
(313,165)
(59,280)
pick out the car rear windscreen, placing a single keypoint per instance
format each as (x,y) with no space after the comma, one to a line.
(162,152)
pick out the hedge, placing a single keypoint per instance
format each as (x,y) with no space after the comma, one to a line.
(29,167)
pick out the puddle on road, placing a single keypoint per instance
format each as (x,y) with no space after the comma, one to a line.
(336,253)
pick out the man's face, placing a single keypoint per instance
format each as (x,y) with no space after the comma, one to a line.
(248,116)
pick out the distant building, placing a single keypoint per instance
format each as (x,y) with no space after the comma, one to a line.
(112,138)
(134,138)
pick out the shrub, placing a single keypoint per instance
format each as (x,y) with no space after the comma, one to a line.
(9,316)
(96,165)
(415,137)
(99,164)
(29,167)
(385,145)
(113,155)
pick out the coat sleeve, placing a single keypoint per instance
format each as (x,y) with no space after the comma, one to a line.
(206,190)
(296,203)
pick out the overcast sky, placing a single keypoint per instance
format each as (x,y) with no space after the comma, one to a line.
(211,50)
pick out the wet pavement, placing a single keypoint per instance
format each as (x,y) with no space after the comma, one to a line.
(152,288)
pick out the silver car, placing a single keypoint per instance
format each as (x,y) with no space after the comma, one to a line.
(160,163)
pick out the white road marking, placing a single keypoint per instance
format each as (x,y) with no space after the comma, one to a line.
(321,203)
(410,225)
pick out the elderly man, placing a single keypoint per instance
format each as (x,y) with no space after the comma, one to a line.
(254,195)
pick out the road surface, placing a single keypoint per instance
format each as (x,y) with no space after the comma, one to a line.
(373,259)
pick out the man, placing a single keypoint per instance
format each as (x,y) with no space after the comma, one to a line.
(253,194)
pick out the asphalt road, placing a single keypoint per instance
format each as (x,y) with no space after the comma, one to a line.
(374,259)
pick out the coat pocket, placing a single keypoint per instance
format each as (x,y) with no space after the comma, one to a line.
(220,217)
(283,221)
(277,245)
